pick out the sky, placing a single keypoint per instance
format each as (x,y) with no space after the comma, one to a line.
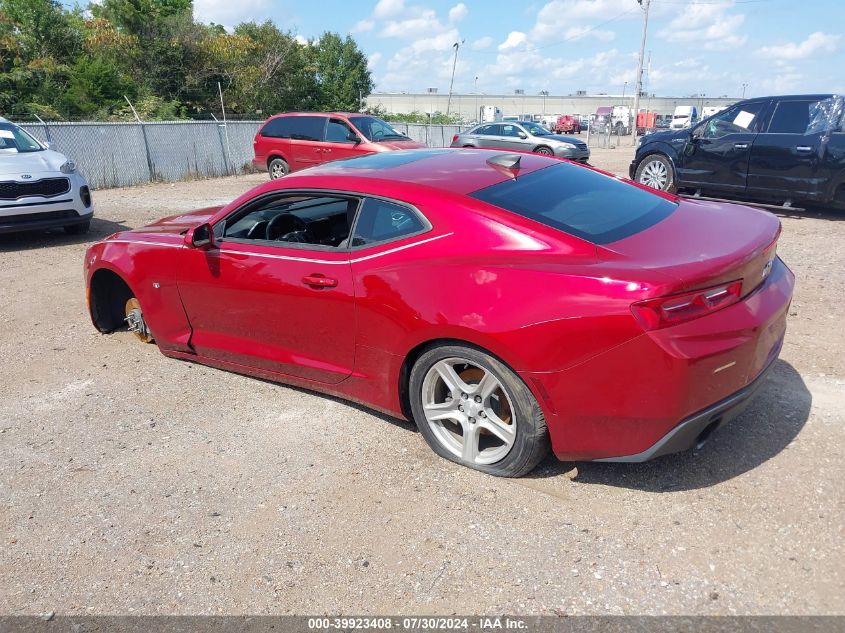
(702,47)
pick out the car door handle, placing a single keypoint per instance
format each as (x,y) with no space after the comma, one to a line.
(804,148)
(741,145)
(319,281)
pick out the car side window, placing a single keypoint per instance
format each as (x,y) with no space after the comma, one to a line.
(791,117)
(277,128)
(510,130)
(338,132)
(307,128)
(486,130)
(380,221)
(737,120)
(292,219)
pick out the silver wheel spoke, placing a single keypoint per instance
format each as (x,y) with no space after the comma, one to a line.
(486,386)
(497,427)
(454,382)
(469,450)
(442,411)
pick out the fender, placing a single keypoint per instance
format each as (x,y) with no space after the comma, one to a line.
(150,271)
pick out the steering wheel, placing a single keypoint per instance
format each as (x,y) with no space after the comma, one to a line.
(377,134)
(287,228)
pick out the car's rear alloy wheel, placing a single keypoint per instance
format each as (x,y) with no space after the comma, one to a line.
(278,168)
(545,151)
(474,410)
(656,171)
(135,321)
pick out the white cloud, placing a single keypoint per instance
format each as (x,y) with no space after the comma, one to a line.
(363,26)
(710,23)
(514,39)
(230,13)
(373,59)
(482,43)
(557,16)
(817,42)
(388,8)
(580,32)
(458,12)
(300,40)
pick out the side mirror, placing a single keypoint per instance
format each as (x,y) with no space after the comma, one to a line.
(201,236)
(353,138)
(523,135)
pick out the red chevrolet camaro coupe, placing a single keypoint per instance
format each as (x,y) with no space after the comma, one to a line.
(507,303)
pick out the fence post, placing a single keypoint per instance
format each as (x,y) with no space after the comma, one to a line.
(147,151)
(46,129)
(222,145)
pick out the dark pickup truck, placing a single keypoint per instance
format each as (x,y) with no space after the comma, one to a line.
(781,150)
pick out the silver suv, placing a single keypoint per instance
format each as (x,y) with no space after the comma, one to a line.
(39,188)
(525,136)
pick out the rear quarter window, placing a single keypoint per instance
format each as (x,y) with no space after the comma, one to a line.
(277,128)
(579,201)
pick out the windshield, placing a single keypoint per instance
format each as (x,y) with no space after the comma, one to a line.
(536,130)
(375,129)
(13,139)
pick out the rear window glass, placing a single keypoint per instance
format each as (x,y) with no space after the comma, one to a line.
(791,117)
(580,202)
(277,128)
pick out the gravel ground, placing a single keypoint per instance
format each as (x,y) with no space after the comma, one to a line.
(131,483)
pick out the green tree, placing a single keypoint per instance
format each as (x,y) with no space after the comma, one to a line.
(341,72)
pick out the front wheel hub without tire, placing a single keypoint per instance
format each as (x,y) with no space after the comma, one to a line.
(135,321)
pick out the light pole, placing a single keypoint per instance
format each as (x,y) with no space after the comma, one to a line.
(456,45)
(544,93)
(477,112)
(744,86)
(645,4)
(624,88)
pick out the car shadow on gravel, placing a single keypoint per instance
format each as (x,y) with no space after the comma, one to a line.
(29,240)
(773,419)
(810,213)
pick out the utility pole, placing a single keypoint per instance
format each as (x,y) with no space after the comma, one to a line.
(645,4)
(478,116)
(744,86)
(456,45)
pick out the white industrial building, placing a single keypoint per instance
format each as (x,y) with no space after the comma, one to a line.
(467,105)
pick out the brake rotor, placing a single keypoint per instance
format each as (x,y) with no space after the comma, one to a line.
(472,376)
(135,321)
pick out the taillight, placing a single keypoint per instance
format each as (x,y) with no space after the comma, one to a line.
(662,312)
(455,138)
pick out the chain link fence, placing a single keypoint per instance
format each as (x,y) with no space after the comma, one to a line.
(121,154)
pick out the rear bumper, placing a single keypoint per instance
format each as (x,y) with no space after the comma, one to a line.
(696,429)
(649,395)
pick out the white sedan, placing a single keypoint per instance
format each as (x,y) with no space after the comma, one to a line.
(39,188)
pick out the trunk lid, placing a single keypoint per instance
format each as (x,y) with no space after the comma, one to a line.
(703,244)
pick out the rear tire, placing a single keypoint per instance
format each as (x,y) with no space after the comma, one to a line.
(656,171)
(278,168)
(474,410)
(78,229)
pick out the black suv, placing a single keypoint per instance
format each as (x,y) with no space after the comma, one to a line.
(773,149)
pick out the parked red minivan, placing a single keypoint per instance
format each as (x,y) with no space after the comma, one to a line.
(296,140)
